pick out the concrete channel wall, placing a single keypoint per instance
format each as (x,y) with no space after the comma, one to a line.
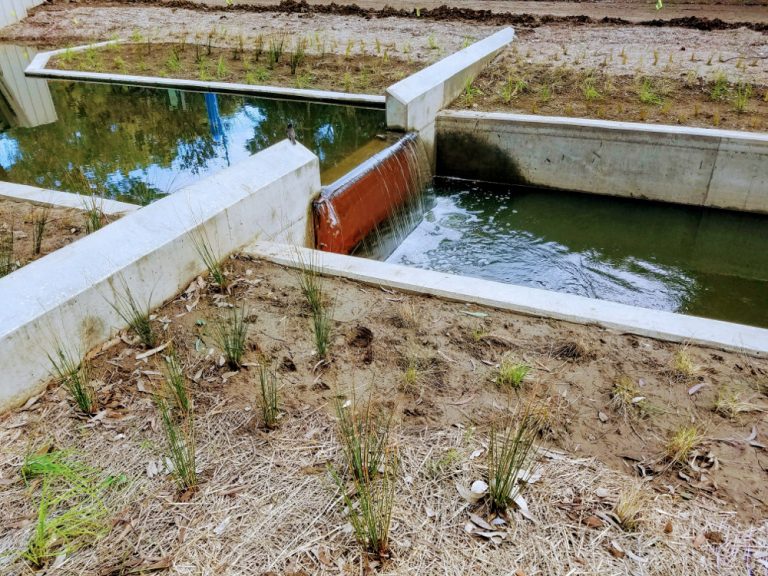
(695,166)
(413,103)
(64,298)
(58,199)
(12,11)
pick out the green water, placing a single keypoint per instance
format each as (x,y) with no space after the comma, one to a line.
(136,144)
(710,263)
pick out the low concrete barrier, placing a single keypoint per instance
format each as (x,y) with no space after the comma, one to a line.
(530,301)
(38,69)
(56,198)
(695,166)
(12,11)
(413,103)
(65,296)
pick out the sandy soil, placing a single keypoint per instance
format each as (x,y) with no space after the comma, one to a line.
(268,505)
(367,69)
(64,225)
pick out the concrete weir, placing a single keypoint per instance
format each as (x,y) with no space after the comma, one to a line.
(694,166)
(64,298)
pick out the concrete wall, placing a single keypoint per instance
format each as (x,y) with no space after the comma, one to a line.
(11,11)
(45,197)
(695,166)
(530,301)
(38,69)
(29,99)
(413,103)
(64,297)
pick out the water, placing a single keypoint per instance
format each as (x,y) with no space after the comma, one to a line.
(704,262)
(136,144)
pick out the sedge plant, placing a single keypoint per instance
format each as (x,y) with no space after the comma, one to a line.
(210,258)
(137,316)
(180,442)
(40,219)
(269,397)
(511,452)
(73,374)
(231,334)
(7,257)
(363,431)
(176,382)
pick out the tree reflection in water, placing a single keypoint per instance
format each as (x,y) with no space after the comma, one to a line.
(136,144)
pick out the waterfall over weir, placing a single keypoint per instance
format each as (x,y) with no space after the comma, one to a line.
(372,208)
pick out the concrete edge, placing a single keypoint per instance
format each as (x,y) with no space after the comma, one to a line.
(38,69)
(58,199)
(655,324)
(564,121)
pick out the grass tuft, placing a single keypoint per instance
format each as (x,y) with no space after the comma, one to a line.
(511,374)
(175,382)
(363,431)
(180,439)
(269,397)
(730,402)
(137,317)
(629,509)
(231,334)
(681,443)
(210,259)
(7,257)
(73,374)
(511,452)
(40,219)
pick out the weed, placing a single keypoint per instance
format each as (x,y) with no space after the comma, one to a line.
(511,454)
(627,399)
(730,402)
(7,257)
(57,464)
(304,80)
(221,69)
(137,317)
(545,93)
(270,399)
(683,365)
(512,88)
(180,439)
(68,55)
(742,96)
(589,90)
(297,57)
(363,432)
(470,91)
(210,258)
(175,382)
(347,81)
(348,50)
(511,374)
(720,88)
(629,509)
(136,37)
(95,219)
(120,64)
(681,442)
(231,334)
(623,56)
(647,93)
(73,374)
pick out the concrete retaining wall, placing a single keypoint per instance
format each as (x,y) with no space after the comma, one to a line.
(12,11)
(695,166)
(64,297)
(530,301)
(38,69)
(413,103)
(56,198)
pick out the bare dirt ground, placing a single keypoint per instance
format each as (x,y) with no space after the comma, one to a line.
(268,505)
(64,225)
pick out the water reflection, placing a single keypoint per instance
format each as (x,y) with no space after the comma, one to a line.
(136,143)
(711,263)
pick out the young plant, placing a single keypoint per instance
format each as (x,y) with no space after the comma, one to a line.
(370,514)
(589,90)
(270,399)
(136,316)
(681,443)
(511,455)
(176,382)
(173,64)
(95,219)
(297,57)
(40,218)
(221,69)
(627,399)
(276,46)
(647,93)
(363,432)
(180,439)
(683,364)
(511,374)
(629,509)
(210,258)
(7,257)
(730,402)
(741,97)
(720,88)
(231,335)
(73,374)
(322,326)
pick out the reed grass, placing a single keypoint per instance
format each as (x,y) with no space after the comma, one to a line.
(363,431)
(269,397)
(231,334)
(180,441)
(73,374)
(7,251)
(176,382)
(40,217)
(511,374)
(210,258)
(135,315)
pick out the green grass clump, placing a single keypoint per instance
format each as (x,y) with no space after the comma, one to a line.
(73,374)
(231,334)
(741,97)
(363,431)
(269,397)
(94,216)
(210,258)
(720,88)
(511,374)
(7,257)
(176,382)
(511,450)
(40,219)
(648,94)
(136,316)
(180,441)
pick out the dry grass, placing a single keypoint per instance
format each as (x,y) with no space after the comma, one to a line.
(269,502)
(681,442)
